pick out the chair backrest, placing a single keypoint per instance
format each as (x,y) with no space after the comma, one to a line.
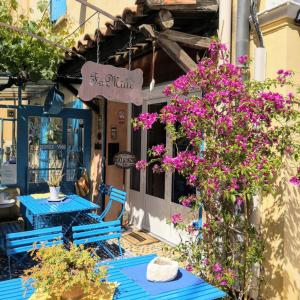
(117,196)
(29,240)
(92,233)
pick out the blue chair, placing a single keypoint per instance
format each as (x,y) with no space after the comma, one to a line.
(98,233)
(115,195)
(23,242)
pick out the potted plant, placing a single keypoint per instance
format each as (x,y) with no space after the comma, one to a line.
(54,185)
(55,178)
(63,274)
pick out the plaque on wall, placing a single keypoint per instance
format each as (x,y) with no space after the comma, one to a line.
(125,160)
(9,174)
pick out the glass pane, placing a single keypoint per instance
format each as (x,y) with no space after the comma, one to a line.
(8,133)
(75,137)
(155,184)
(46,148)
(136,150)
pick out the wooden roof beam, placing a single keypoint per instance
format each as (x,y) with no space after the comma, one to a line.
(179,56)
(186,39)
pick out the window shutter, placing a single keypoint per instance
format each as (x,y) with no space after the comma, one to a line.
(58,8)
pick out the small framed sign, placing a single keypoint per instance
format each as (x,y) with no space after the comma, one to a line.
(125,160)
(9,174)
(53,147)
(11,113)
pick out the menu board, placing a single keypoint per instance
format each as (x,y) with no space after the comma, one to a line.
(9,174)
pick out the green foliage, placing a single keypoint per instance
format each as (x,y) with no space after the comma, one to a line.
(58,270)
(24,56)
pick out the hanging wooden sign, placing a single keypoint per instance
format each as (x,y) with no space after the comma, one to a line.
(113,83)
(125,160)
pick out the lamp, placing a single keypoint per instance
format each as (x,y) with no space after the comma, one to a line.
(54,101)
(297,19)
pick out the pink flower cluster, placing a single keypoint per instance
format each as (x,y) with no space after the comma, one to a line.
(283,75)
(144,120)
(176,218)
(141,164)
(243,60)
(158,150)
(188,201)
(295,180)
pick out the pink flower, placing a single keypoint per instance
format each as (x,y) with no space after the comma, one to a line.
(157,169)
(218,277)
(239,201)
(243,59)
(223,283)
(187,201)
(146,120)
(189,268)
(192,179)
(158,149)
(141,164)
(176,218)
(217,268)
(205,261)
(295,181)
(191,229)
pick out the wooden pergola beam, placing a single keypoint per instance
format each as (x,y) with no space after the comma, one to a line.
(179,56)
(189,40)
(184,61)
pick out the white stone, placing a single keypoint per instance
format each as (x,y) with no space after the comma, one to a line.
(161,269)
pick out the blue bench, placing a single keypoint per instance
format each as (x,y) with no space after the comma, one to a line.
(8,227)
(98,233)
(22,242)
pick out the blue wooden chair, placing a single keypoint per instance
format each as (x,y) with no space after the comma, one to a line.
(115,195)
(23,242)
(98,233)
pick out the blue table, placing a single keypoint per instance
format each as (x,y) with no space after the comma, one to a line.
(128,289)
(40,213)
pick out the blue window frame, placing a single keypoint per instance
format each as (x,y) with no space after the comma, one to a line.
(58,8)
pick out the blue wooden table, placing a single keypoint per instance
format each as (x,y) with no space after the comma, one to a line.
(128,289)
(40,213)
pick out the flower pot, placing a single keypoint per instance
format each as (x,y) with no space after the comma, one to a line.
(104,292)
(54,192)
(76,293)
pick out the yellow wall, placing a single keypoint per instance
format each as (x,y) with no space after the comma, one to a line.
(78,13)
(280,215)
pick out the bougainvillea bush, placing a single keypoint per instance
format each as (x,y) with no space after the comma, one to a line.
(238,133)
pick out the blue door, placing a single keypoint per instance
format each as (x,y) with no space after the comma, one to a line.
(52,144)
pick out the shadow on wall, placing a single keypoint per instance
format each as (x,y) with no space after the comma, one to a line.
(280,228)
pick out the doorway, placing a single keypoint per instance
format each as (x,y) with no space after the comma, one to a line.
(50,144)
(153,198)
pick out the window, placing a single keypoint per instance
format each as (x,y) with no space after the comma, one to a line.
(179,186)
(155,183)
(58,8)
(136,150)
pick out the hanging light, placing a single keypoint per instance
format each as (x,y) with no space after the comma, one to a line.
(54,101)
